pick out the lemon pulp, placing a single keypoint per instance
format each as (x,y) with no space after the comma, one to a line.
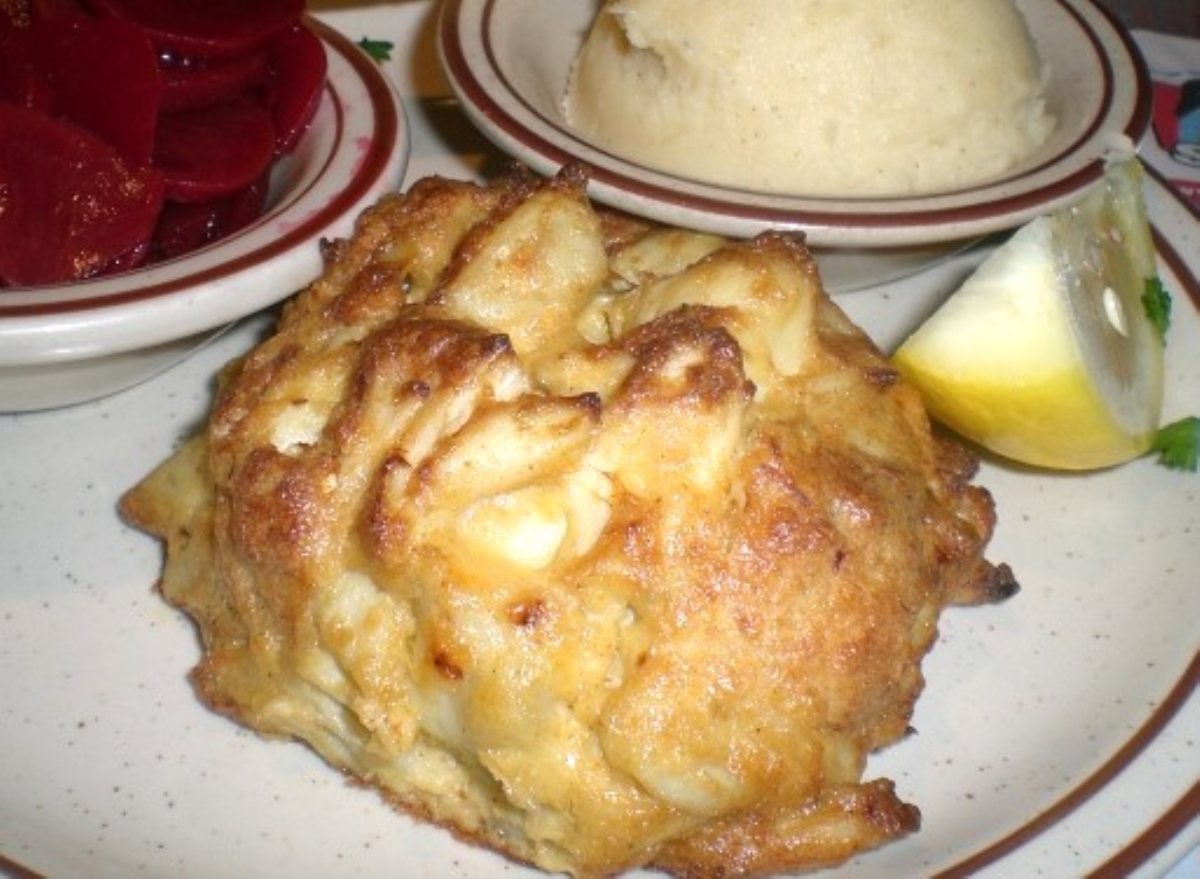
(1045,354)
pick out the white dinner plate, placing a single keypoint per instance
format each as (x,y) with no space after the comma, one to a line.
(1057,732)
(62,345)
(508,61)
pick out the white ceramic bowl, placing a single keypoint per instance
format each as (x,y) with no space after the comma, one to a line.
(508,62)
(63,345)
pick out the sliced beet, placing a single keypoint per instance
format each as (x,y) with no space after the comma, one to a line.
(247,205)
(22,82)
(103,73)
(187,226)
(190,85)
(72,205)
(205,28)
(298,66)
(134,258)
(15,14)
(44,10)
(25,48)
(214,151)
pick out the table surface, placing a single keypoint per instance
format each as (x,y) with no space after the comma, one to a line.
(1168,16)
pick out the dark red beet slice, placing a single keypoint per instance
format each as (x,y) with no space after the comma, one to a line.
(21,82)
(15,14)
(298,66)
(72,206)
(44,10)
(104,75)
(248,204)
(205,28)
(184,227)
(214,151)
(188,86)
(131,259)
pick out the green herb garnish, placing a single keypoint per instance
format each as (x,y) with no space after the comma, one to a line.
(1157,302)
(1178,444)
(380,50)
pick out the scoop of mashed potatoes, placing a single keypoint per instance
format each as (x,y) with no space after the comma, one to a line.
(814,97)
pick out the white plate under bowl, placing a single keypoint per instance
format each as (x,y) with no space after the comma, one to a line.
(1057,735)
(64,345)
(508,62)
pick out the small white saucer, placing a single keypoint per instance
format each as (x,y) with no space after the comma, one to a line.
(508,61)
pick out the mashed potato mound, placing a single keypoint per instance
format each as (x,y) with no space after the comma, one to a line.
(602,544)
(813,97)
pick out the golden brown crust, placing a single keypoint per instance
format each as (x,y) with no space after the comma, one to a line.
(836,825)
(602,544)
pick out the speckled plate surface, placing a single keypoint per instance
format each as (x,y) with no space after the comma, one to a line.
(509,61)
(1057,735)
(63,345)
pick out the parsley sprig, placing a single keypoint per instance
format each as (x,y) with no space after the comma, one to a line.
(1157,302)
(1178,444)
(380,50)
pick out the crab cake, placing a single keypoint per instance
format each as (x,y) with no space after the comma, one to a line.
(600,543)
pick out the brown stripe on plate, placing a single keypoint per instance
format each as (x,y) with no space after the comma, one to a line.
(12,870)
(1153,839)
(1090,786)
(1166,250)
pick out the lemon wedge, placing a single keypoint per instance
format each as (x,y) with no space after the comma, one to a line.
(1046,354)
